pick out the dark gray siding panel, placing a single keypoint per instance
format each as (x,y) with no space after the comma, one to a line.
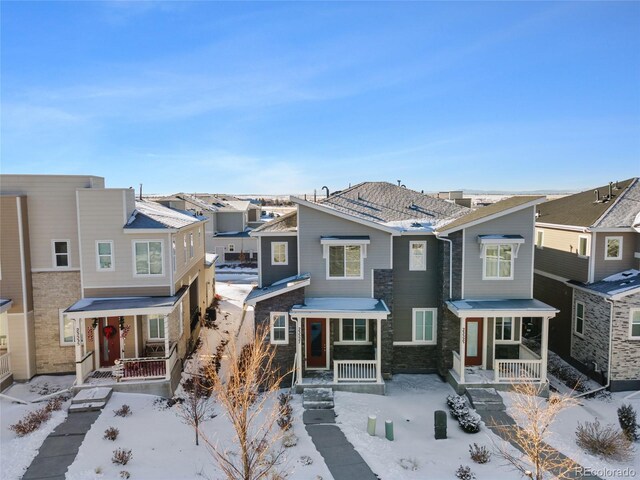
(557,294)
(561,263)
(273,273)
(604,268)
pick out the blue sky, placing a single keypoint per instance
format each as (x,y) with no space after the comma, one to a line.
(288,97)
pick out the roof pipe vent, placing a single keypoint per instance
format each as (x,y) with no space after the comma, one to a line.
(399,182)
(597,196)
(610,190)
(140,191)
(327,189)
(403,186)
(617,187)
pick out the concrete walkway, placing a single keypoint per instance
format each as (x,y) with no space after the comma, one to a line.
(60,448)
(343,461)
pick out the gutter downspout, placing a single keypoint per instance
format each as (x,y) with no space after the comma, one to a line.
(610,302)
(298,358)
(450,264)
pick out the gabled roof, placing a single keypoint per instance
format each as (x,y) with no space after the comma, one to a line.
(582,210)
(284,224)
(490,211)
(153,215)
(392,207)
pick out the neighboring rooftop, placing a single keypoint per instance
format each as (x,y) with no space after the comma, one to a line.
(286,223)
(153,215)
(278,288)
(371,306)
(618,285)
(582,209)
(93,305)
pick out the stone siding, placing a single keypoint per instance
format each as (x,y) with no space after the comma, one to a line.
(594,345)
(383,289)
(53,291)
(448,339)
(625,364)
(415,358)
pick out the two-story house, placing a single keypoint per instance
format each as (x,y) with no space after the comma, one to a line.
(587,265)
(100,284)
(378,279)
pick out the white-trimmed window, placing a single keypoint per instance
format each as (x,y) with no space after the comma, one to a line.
(231,248)
(498,262)
(354,330)
(418,255)
(60,251)
(104,255)
(184,247)
(539,238)
(613,248)
(191,245)
(579,318)
(155,324)
(67,327)
(583,246)
(505,328)
(148,257)
(634,324)
(279,328)
(345,261)
(424,325)
(279,254)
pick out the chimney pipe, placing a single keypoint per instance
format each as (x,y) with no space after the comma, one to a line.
(617,187)
(315,197)
(610,190)
(597,195)
(327,189)
(140,191)
(399,182)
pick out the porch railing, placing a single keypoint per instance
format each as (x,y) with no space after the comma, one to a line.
(172,359)
(4,365)
(456,362)
(84,367)
(354,371)
(138,368)
(515,371)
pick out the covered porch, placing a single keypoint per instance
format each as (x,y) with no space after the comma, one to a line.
(490,351)
(126,341)
(338,343)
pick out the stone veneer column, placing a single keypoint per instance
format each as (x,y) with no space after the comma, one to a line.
(383,290)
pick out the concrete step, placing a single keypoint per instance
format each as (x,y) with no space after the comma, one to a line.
(86,407)
(317,398)
(89,395)
(485,399)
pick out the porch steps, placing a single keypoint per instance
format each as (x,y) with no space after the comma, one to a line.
(485,399)
(90,399)
(317,398)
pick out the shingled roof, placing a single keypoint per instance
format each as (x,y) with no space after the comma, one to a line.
(153,215)
(286,223)
(582,210)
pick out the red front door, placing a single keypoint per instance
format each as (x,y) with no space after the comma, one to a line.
(473,342)
(316,343)
(109,341)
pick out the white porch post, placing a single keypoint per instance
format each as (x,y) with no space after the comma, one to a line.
(462,350)
(166,347)
(379,351)
(122,339)
(96,345)
(78,346)
(298,365)
(544,349)
(135,335)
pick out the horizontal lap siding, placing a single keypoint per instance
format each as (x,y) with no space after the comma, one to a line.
(604,268)
(11,283)
(230,222)
(559,255)
(273,273)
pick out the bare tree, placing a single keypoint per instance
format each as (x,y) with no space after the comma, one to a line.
(246,387)
(534,416)
(197,406)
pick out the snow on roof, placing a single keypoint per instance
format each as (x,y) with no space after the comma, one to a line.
(498,305)
(124,303)
(278,288)
(285,223)
(210,259)
(154,215)
(342,305)
(618,285)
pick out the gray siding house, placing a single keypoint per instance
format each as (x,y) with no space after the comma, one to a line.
(378,279)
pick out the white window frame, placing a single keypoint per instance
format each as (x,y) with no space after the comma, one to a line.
(62,318)
(412,266)
(113,264)
(606,247)
(191,250)
(353,341)
(54,255)
(539,239)
(343,246)
(184,247)
(286,253)
(434,331)
(160,331)
(586,246)
(631,313)
(484,261)
(575,318)
(231,248)
(135,267)
(174,259)
(514,321)
(272,327)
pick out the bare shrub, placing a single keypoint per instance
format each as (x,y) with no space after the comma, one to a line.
(123,411)
(197,407)
(479,453)
(111,433)
(124,474)
(465,473)
(410,464)
(54,404)
(121,456)
(30,422)
(604,441)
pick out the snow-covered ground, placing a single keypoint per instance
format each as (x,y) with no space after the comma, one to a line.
(16,453)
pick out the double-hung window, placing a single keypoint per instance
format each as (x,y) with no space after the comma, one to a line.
(61,253)
(418,255)
(279,253)
(583,246)
(67,334)
(104,258)
(505,329)
(155,325)
(354,330)
(345,261)
(634,326)
(279,328)
(148,257)
(498,262)
(424,325)
(613,248)
(579,318)
(191,245)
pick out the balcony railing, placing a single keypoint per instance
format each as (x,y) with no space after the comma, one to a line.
(5,370)
(354,371)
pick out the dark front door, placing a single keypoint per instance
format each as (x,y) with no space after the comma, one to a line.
(109,341)
(316,343)
(473,342)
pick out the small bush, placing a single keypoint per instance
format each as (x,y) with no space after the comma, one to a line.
(124,474)
(306,460)
(54,405)
(628,422)
(604,441)
(111,433)
(289,440)
(479,453)
(410,464)
(457,405)
(121,456)
(31,422)
(470,422)
(123,411)
(465,473)
(285,420)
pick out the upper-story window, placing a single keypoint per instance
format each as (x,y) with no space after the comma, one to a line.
(61,253)
(104,255)
(148,257)
(613,248)
(191,245)
(279,253)
(539,238)
(498,262)
(184,247)
(345,261)
(634,325)
(583,248)
(418,255)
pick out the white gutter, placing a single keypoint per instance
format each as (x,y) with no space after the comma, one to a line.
(450,263)
(599,389)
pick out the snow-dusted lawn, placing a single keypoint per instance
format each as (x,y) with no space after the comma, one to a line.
(563,435)
(16,453)
(410,402)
